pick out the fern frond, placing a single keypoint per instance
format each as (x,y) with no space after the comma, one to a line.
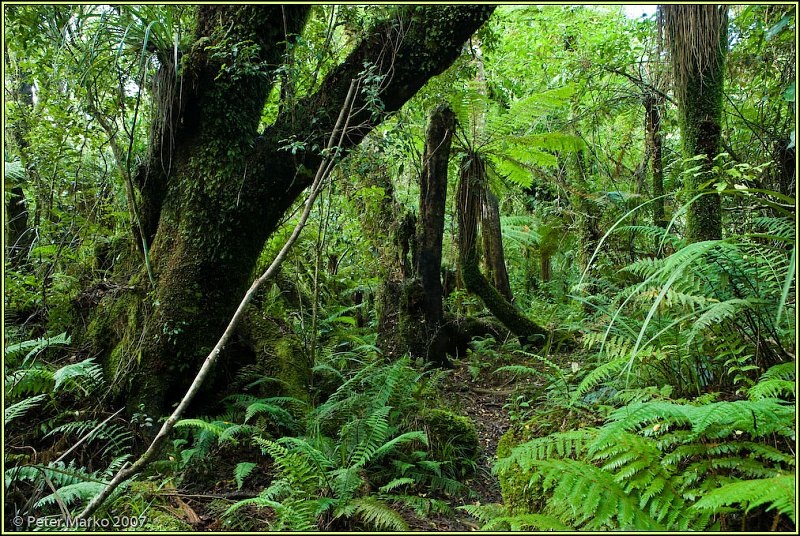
(389,446)
(560,444)
(590,497)
(397,483)
(85,375)
(372,433)
(33,381)
(378,514)
(526,522)
(782,371)
(241,471)
(601,374)
(35,346)
(15,411)
(80,491)
(778,493)
(773,388)
(210,427)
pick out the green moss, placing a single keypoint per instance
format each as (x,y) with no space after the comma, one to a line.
(279,354)
(518,494)
(159,521)
(109,329)
(452,437)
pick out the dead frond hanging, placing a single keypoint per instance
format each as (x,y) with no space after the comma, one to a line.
(696,40)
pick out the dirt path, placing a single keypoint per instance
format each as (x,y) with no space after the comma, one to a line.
(481,399)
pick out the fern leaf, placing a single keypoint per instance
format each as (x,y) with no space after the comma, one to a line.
(378,514)
(397,483)
(15,411)
(526,522)
(85,375)
(80,491)
(241,471)
(778,493)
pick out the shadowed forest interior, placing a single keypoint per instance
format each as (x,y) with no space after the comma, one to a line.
(397,267)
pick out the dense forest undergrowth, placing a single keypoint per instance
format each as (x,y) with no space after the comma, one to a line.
(517,268)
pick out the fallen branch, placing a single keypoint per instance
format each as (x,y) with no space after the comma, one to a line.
(322,172)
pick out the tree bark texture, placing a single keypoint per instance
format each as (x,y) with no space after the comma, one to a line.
(653,104)
(213,189)
(470,192)
(430,233)
(492,236)
(697,36)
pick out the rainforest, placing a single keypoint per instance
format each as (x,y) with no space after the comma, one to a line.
(287,267)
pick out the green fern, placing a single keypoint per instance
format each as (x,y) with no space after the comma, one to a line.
(374,513)
(241,471)
(85,375)
(777,493)
(35,346)
(69,494)
(654,459)
(15,411)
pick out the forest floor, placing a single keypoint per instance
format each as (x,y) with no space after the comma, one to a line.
(480,394)
(471,389)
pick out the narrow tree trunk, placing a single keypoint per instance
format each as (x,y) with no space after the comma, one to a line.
(545,264)
(493,245)
(430,231)
(653,104)
(19,237)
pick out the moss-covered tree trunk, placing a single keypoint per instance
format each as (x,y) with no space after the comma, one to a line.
(470,191)
(653,104)
(430,233)
(214,188)
(697,37)
(19,236)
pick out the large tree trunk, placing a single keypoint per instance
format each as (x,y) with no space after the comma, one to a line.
(213,190)
(697,36)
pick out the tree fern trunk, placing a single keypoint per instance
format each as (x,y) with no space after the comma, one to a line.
(471,184)
(697,36)
(493,254)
